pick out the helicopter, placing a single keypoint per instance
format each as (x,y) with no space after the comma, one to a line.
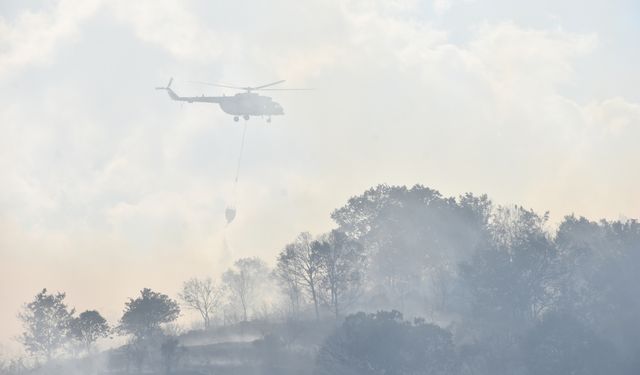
(244,104)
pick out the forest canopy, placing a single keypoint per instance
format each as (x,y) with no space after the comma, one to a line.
(408,282)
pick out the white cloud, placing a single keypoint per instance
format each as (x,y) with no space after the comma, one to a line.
(170,25)
(442,6)
(524,59)
(614,115)
(34,36)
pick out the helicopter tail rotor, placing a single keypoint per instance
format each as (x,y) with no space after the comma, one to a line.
(171,93)
(168,87)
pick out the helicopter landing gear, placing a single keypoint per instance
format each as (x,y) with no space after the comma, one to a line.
(245,117)
(236,118)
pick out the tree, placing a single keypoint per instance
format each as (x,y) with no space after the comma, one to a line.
(203,296)
(409,232)
(342,264)
(88,328)
(14,366)
(600,274)
(561,345)
(302,259)
(46,320)
(383,343)
(512,278)
(290,282)
(171,351)
(244,279)
(143,315)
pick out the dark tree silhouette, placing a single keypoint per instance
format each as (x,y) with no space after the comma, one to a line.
(88,327)
(144,315)
(513,278)
(343,264)
(407,234)
(600,278)
(561,345)
(290,282)
(171,351)
(302,259)
(383,343)
(46,321)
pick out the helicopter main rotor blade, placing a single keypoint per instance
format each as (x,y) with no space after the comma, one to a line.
(287,89)
(259,88)
(221,85)
(267,85)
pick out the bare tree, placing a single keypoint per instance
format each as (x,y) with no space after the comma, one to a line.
(290,282)
(244,279)
(203,296)
(304,263)
(342,264)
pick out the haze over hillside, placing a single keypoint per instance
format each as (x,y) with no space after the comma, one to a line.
(107,186)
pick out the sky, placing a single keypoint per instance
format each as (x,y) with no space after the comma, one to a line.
(107,186)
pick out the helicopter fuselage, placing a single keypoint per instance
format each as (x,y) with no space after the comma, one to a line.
(244,104)
(251,104)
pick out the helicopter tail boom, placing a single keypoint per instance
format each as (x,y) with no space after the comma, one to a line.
(171,93)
